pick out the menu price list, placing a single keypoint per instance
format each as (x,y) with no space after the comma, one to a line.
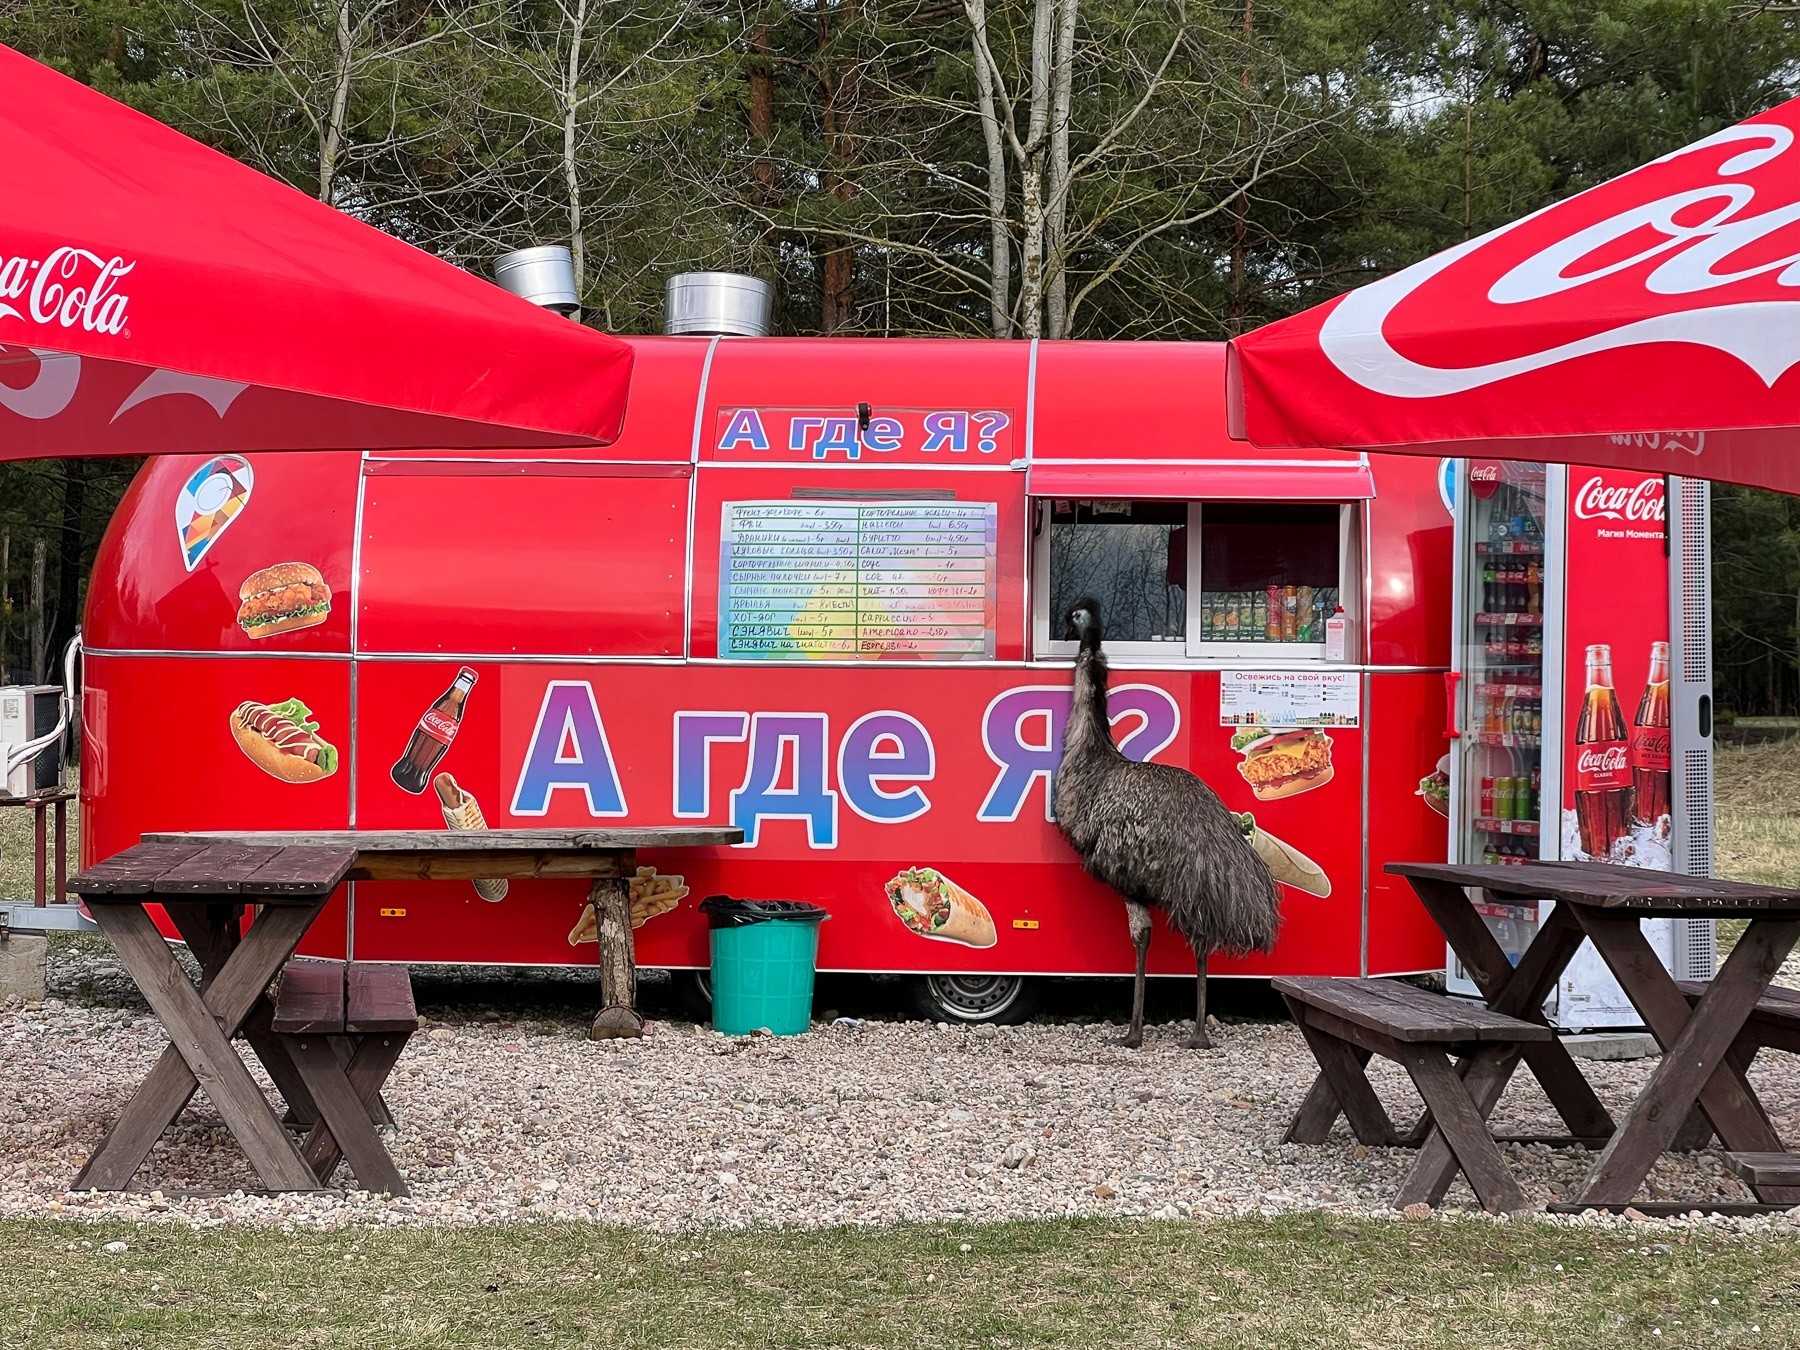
(889,580)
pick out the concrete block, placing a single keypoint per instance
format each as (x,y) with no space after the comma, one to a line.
(1612,1045)
(24,961)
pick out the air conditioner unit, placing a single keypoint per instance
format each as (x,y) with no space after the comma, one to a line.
(27,712)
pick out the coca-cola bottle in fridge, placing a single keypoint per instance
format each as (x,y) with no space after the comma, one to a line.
(1650,743)
(1602,770)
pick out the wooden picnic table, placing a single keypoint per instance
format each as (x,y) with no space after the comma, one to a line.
(204,882)
(607,857)
(1698,1089)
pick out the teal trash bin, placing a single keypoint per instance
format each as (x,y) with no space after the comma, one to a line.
(763,956)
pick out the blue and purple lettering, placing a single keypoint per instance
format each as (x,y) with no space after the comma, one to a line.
(694,734)
(809,799)
(884,435)
(1022,732)
(946,431)
(745,430)
(838,433)
(884,747)
(799,431)
(568,750)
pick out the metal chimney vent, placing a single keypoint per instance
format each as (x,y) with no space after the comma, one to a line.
(708,304)
(544,275)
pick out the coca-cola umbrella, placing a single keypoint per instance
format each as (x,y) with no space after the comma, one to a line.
(156,295)
(1652,322)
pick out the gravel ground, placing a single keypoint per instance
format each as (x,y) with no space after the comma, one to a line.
(507,1111)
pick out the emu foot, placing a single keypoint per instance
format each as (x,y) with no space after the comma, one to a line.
(1198,1040)
(1131,1040)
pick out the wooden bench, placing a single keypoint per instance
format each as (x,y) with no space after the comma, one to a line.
(1346,1021)
(1774,1024)
(344,1026)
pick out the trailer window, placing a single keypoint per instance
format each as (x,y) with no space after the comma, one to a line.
(1131,557)
(1226,580)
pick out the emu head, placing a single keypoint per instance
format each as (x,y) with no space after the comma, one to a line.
(1084,623)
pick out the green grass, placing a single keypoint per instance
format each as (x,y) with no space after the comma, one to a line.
(1301,1282)
(16,845)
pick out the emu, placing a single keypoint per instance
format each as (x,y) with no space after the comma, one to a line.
(1158,836)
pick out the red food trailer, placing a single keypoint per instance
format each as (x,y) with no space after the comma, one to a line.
(814,590)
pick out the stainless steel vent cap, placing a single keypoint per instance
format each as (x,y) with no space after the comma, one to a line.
(714,303)
(544,275)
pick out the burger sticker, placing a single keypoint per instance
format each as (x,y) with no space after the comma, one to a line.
(281,598)
(1434,787)
(1283,763)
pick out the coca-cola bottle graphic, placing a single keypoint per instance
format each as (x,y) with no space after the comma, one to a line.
(1602,771)
(431,738)
(1650,743)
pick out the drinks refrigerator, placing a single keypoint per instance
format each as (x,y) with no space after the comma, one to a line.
(1580,697)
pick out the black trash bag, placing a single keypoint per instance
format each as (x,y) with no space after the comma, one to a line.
(722,911)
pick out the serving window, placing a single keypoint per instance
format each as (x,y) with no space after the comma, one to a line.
(1217,580)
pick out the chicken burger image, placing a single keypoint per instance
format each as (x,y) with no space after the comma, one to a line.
(281,598)
(1280,764)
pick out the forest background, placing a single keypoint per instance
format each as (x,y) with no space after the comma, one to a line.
(1173,169)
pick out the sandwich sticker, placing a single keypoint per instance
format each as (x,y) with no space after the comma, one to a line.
(282,740)
(933,906)
(1283,762)
(463,812)
(208,502)
(1287,864)
(1434,787)
(651,895)
(281,598)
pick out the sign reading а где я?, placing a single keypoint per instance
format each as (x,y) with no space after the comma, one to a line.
(857,581)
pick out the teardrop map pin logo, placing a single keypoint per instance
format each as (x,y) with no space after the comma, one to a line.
(208,502)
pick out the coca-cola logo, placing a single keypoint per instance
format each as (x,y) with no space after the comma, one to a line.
(1598,499)
(441,727)
(70,288)
(1601,759)
(1681,245)
(1693,442)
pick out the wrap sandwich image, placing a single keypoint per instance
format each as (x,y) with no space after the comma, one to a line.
(1287,864)
(463,812)
(650,894)
(933,906)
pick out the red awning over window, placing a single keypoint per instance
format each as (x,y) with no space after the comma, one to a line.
(1336,480)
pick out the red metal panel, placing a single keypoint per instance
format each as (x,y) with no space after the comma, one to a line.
(1349,480)
(143,595)
(529,558)
(793,385)
(1409,564)
(1406,727)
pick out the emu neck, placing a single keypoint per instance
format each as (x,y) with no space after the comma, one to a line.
(1088,732)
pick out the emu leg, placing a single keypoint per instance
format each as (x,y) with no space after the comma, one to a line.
(1138,916)
(1200,1040)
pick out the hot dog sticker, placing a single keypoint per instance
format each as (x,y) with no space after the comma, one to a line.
(283,741)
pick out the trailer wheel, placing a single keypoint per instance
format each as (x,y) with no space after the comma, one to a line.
(1004,1000)
(693,993)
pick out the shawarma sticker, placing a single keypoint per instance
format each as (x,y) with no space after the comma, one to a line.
(282,739)
(1284,762)
(651,895)
(933,906)
(1287,864)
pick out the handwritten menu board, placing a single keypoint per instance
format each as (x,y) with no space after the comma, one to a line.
(862,581)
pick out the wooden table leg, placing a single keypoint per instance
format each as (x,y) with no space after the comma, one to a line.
(1462,1123)
(200,1053)
(1343,1086)
(367,1070)
(41,856)
(62,852)
(611,899)
(345,1115)
(1696,1062)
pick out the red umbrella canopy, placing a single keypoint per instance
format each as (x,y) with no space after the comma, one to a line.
(1652,322)
(156,295)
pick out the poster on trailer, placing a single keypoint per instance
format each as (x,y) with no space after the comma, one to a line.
(1615,804)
